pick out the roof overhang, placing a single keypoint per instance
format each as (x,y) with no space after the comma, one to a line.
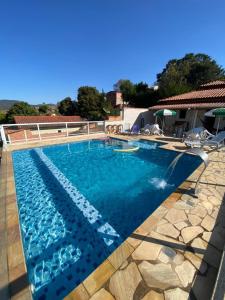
(188,106)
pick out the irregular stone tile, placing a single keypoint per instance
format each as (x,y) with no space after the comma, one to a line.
(199,211)
(175,215)
(208,223)
(149,223)
(166,254)
(164,240)
(202,197)
(208,205)
(199,264)
(124,265)
(181,239)
(214,200)
(203,285)
(184,205)
(102,295)
(120,254)
(181,225)
(159,276)
(123,283)
(189,233)
(210,254)
(186,197)
(152,295)
(215,213)
(186,272)
(168,229)
(176,294)
(146,251)
(162,221)
(194,220)
(178,259)
(134,242)
(160,212)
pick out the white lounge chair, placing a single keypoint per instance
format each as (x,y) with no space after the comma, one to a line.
(213,141)
(198,133)
(153,129)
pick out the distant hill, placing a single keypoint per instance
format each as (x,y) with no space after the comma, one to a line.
(6,104)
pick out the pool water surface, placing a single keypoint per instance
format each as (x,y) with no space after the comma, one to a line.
(78,202)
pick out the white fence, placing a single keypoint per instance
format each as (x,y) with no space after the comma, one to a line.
(25,133)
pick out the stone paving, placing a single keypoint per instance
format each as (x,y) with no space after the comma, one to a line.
(175,253)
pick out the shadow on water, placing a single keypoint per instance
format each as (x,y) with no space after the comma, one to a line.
(89,246)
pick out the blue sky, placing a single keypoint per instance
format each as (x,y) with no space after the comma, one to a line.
(48,48)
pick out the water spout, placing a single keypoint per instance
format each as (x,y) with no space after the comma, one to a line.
(172,166)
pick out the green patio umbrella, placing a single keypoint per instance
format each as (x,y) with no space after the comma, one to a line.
(164,113)
(216,112)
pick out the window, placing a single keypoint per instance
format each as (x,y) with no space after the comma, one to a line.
(182,113)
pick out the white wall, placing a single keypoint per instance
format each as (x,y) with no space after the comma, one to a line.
(134,115)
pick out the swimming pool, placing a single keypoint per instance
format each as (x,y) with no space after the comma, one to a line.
(78,202)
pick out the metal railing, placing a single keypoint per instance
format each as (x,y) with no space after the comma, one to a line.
(31,132)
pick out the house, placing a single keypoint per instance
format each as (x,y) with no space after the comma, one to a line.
(44,127)
(191,107)
(45,119)
(115,98)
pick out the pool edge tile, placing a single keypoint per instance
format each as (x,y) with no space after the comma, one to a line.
(98,277)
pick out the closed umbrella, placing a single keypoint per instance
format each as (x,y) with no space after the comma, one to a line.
(165,113)
(216,112)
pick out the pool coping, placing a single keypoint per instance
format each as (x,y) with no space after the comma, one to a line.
(15,255)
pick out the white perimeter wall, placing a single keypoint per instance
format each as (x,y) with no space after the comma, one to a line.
(134,115)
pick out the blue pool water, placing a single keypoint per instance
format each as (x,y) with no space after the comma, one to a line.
(77,203)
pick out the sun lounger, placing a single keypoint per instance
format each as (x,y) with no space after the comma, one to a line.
(213,141)
(198,133)
(153,129)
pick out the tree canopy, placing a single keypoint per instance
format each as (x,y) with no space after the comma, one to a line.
(188,73)
(137,95)
(67,107)
(20,109)
(92,104)
(44,109)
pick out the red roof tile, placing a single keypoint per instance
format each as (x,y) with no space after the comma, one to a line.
(188,105)
(201,94)
(45,119)
(214,83)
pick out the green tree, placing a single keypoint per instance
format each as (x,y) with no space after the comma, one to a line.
(44,109)
(145,96)
(20,109)
(2,117)
(188,73)
(92,104)
(66,107)
(137,95)
(127,88)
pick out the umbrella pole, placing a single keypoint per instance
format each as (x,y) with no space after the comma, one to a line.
(218,125)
